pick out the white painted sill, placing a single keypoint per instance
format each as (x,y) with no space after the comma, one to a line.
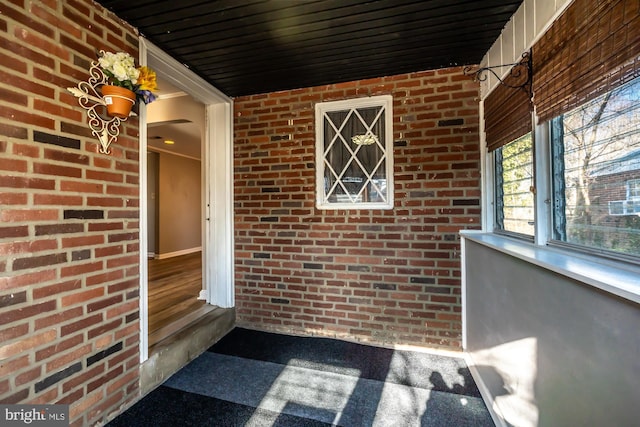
(617,278)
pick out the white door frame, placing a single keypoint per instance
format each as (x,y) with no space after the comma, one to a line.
(217,158)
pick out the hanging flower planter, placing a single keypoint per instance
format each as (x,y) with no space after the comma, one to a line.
(119,100)
(116,83)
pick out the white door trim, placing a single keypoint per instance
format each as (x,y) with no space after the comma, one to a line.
(217,189)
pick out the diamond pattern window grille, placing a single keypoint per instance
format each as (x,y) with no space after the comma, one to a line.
(355,153)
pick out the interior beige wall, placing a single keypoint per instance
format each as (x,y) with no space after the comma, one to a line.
(152,203)
(179,204)
(180,181)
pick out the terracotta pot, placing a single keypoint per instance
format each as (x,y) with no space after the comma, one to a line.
(119,100)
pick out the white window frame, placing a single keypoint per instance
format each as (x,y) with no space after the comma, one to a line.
(616,275)
(635,185)
(497,193)
(321,109)
(544,202)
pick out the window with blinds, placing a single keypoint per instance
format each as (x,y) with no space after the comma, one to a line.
(508,126)
(514,187)
(586,97)
(596,159)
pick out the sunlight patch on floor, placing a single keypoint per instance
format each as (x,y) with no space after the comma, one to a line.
(325,392)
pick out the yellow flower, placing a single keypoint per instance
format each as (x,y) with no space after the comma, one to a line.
(147,79)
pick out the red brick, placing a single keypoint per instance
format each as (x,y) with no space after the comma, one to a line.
(129,307)
(29,376)
(65,156)
(37,41)
(55,21)
(57,318)
(105,201)
(81,296)
(104,328)
(103,278)
(14,332)
(133,330)
(27,312)
(38,261)
(81,187)
(29,215)
(9,350)
(19,82)
(83,377)
(57,288)
(25,52)
(15,97)
(122,261)
(16,397)
(26,150)
(9,366)
(68,358)
(27,247)
(13,131)
(55,199)
(23,182)
(105,176)
(80,324)
(13,199)
(72,242)
(57,170)
(26,279)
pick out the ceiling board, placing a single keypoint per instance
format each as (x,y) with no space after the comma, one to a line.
(249,47)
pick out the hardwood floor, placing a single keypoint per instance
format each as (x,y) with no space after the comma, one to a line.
(174,286)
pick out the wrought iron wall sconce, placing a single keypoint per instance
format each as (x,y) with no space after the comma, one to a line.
(105,128)
(521,74)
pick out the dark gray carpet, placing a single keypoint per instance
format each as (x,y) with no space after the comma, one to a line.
(261,379)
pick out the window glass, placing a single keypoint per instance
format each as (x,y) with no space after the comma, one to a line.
(514,185)
(633,189)
(596,170)
(354,153)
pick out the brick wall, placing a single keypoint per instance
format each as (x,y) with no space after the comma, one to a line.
(68,219)
(384,276)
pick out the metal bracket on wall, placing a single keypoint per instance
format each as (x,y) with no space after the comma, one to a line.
(521,73)
(103,127)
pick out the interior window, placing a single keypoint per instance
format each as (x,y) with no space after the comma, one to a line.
(355,153)
(514,187)
(596,172)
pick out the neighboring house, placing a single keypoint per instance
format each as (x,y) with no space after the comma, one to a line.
(616,185)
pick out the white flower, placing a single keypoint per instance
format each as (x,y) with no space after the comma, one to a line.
(121,65)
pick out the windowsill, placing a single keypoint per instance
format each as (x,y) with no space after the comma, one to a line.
(616,278)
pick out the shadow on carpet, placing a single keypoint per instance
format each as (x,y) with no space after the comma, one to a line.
(260,379)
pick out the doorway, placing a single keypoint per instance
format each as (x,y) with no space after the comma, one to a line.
(215,225)
(175,130)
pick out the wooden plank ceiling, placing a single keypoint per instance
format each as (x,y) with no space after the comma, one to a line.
(248,47)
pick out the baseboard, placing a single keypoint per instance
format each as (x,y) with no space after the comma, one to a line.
(488,399)
(178,253)
(151,255)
